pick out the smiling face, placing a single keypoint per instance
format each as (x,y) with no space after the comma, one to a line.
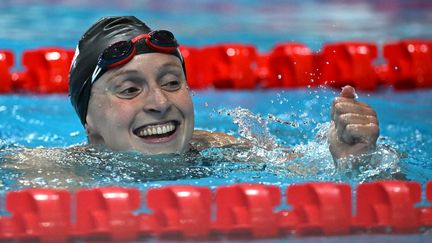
(143,106)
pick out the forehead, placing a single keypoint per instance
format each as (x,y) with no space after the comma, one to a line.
(145,64)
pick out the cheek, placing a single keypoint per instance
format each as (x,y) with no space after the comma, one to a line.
(112,113)
(184,103)
(120,112)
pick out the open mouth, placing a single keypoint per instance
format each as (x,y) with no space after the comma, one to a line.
(157,132)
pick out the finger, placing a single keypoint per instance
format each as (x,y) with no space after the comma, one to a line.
(354,118)
(364,133)
(348,107)
(343,100)
(351,118)
(348,92)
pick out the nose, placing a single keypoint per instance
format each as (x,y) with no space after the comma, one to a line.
(156,101)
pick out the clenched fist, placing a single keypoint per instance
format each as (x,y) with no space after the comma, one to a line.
(354,127)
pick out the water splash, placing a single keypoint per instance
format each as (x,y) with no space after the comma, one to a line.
(309,161)
(254,127)
(266,160)
(383,163)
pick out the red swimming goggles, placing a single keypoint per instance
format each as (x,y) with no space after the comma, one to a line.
(122,52)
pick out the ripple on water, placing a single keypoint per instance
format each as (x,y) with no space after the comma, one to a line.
(265,161)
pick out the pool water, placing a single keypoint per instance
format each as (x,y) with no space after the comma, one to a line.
(296,119)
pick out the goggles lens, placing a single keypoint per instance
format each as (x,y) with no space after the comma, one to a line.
(122,52)
(117,50)
(163,38)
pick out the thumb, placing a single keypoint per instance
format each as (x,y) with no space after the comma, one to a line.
(348,92)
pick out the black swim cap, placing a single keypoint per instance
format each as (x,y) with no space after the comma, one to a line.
(103,33)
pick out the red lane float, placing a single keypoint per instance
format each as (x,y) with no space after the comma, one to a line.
(182,211)
(426,212)
(247,209)
(348,63)
(107,213)
(290,65)
(242,210)
(225,66)
(37,214)
(388,205)
(230,66)
(240,66)
(409,64)
(320,208)
(47,70)
(194,59)
(6,62)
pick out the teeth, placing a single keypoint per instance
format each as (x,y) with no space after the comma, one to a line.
(158,129)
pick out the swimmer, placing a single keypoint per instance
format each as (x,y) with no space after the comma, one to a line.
(128,86)
(127,83)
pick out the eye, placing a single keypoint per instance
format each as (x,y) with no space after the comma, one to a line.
(172,85)
(129,92)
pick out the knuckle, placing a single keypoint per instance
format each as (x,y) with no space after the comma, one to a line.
(345,118)
(371,119)
(335,101)
(375,128)
(351,127)
(339,107)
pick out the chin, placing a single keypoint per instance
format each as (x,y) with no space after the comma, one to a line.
(161,149)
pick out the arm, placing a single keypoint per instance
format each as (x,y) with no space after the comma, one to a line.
(354,127)
(53,167)
(202,140)
(205,139)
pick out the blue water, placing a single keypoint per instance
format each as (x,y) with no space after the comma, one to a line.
(49,121)
(32,121)
(293,118)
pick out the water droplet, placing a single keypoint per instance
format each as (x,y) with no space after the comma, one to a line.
(74,134)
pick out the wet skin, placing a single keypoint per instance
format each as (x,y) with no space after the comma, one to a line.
(354,126)
(130,103)
(143,106)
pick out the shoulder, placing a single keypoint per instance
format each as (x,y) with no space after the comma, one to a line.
(41,157)
(206,139)
(46,167)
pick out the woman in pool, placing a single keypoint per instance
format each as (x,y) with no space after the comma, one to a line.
(129,89)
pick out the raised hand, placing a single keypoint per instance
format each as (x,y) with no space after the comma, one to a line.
(354,126)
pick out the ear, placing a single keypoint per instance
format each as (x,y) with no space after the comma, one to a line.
(93,136)
(87,128)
